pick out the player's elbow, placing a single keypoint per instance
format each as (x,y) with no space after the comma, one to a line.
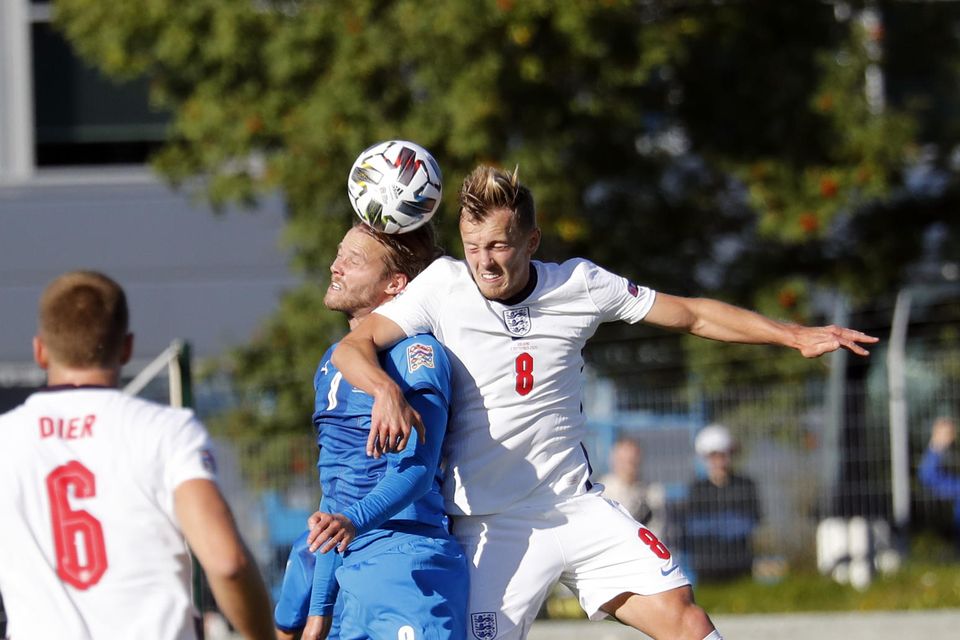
(421,488)
(230,562)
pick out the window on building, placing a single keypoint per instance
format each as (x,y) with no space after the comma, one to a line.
(81,116)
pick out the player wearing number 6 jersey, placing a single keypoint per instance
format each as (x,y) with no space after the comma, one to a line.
(98,491)
(522,502)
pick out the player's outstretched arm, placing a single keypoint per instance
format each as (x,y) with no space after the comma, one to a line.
(724,322)
(392,418)
(208,526)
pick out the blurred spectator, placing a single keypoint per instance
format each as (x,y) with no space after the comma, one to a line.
(623,484)
(933,472)
(720,514)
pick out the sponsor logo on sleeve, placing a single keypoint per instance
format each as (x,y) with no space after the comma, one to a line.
(517,320)
(633,289)
(419,355)
(484,625)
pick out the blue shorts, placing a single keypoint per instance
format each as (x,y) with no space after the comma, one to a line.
(404,586)
(295,603)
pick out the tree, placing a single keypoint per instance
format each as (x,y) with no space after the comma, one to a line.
(700,147)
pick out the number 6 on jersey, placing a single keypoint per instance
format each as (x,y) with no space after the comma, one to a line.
(77,535)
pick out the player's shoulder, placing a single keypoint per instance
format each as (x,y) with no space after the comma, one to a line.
(567,268)
(573,272)
(444,269)
(148,414)
(424,343)
(324,365)
(420,351)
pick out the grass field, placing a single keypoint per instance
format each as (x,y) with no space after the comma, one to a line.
(930,579)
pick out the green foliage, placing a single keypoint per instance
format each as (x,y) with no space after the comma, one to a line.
(653,135)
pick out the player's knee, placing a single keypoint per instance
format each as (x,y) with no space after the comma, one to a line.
(693,622)
(683,617)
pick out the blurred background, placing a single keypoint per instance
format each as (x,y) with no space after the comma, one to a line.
(798,158)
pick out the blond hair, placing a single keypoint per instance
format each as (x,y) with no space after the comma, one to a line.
(489,189)
(407,253)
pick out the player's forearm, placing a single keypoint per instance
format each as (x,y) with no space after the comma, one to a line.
(242,598)
(356,358)
(409,474)
(210,531)
(724,322)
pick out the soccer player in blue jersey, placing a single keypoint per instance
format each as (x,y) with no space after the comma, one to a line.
(402,574)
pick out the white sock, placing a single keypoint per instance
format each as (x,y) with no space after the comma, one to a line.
(714,635)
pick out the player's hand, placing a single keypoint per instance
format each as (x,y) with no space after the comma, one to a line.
(813,342)
(392,419)
(317,628)
(329,531)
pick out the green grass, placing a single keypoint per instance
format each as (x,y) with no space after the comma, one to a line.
(918,585)
(928,579)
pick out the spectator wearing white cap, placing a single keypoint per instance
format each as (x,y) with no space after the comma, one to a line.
(721,512)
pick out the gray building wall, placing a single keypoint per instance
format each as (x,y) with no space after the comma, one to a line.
(209,279)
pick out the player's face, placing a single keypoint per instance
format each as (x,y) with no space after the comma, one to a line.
(498,253)
(358,280)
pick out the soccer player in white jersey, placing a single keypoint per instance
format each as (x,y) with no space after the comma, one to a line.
(518,478)
(98,491)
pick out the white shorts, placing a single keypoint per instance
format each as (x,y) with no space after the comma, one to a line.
(589,543)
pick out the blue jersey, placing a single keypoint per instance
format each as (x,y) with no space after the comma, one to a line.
(395,491)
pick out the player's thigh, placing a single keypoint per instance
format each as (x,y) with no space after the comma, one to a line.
(414,590)
(514,561)
(610,553)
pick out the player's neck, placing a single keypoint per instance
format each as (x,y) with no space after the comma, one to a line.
(355,321)
(524,291)
(60,376)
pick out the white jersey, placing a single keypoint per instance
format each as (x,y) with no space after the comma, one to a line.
(89,545)
(516,422)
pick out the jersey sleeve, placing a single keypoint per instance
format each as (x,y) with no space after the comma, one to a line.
(189,454)
(410,472)
(324,590)
(418,363)
(418,306)
(421,367)
(616,297)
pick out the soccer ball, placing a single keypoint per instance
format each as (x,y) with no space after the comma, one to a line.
(395,186)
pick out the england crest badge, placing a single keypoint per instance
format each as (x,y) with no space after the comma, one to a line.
(484,625)
(517,320)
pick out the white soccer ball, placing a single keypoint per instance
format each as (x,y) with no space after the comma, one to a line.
(395,186)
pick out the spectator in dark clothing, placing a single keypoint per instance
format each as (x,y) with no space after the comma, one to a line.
(720,514)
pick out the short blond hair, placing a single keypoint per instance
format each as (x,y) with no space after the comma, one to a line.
(488,189)
(83,319)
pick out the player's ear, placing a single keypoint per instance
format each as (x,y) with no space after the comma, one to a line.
(533,242)
(40,353)
(127,351)
(396,284)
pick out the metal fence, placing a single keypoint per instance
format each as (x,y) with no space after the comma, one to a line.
(815,451)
